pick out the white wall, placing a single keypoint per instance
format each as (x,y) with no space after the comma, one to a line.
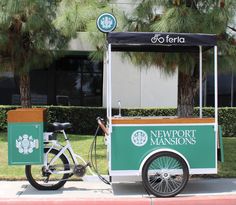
(125,5)
(135,87)
(158,89)
(125,82)
(81,43)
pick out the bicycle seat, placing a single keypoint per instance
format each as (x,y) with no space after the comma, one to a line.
(61,126)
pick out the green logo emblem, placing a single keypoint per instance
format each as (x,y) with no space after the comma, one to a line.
(106,22)
(139,138)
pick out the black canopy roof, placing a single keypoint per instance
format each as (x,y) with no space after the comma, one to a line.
(160,42)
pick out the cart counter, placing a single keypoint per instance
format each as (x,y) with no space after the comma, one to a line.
(160,120)
(135,139)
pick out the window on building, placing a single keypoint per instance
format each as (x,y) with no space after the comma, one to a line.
(70,80)
(226,90)
(78,81)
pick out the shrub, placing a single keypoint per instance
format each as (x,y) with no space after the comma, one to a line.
(83,119)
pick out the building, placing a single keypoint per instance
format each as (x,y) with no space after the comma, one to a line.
(75,80)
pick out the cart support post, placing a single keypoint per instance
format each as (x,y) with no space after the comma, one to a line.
(109,89)
(200,81)
(107,84)
(216,89)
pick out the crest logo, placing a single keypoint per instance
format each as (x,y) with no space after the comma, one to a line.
(25,144)
(106,22)
(139,138)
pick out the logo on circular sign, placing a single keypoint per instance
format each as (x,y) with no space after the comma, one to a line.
(106,22)
(139,138)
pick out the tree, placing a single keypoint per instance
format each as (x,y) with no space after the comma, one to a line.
(80,16)
(184,16)
(32,32)
(28,38)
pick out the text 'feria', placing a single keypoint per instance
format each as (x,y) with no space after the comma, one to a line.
(158,38)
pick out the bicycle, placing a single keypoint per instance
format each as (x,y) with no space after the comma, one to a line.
(57,167)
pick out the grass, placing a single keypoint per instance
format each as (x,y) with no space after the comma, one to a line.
(228,168)
(81,145)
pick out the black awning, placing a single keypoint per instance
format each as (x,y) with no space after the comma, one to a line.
(160,42)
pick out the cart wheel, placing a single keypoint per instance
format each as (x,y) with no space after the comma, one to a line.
(165,174)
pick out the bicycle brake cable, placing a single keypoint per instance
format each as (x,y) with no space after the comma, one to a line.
(93,147)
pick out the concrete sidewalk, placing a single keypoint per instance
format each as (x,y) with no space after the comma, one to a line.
(93,191)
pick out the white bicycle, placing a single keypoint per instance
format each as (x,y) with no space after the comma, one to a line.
(57,168)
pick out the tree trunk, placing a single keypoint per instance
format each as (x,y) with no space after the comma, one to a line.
(25,96)
(187,87)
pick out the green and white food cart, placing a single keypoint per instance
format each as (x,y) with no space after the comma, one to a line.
(161,151)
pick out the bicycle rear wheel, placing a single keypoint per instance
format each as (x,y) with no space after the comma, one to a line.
(42,179)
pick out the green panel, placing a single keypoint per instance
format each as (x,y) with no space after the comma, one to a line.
(25,143)
(221,148)
(131,144)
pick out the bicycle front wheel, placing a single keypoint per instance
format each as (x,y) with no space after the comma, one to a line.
(42,179)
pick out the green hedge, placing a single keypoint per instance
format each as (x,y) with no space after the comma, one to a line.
(83,119)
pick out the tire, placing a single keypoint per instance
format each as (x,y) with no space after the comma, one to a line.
(36,174)
(165,174)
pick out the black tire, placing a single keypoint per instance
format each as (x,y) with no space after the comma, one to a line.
(40,179)
(165,174)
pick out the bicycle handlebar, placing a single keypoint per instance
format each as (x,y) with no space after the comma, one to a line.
(102,126)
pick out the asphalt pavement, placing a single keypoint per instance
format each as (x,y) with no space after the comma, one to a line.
(200,191)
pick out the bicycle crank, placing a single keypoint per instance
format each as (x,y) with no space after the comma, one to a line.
(80,170)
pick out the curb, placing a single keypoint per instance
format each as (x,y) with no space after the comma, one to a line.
(193,200)
(197,200)
(76,201)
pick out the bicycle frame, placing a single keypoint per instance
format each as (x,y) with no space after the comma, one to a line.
(62,150)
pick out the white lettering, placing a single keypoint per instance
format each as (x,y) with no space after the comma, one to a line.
(182,40)
(152,141)
(181,133)
(159,133)
(157,38)
(153,134)
(175,132)
(168,133)
(173,137)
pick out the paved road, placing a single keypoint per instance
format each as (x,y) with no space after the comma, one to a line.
(92,191)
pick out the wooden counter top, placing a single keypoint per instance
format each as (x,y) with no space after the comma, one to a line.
(159,120)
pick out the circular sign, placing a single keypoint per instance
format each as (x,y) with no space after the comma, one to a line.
(106,22)
(139,138)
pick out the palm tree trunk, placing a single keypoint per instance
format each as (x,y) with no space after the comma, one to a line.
(25,90)
(187,87)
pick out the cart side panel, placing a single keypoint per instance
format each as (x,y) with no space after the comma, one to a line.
(130,144)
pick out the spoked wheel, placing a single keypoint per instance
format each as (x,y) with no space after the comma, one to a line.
(165,174)
(42,179)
